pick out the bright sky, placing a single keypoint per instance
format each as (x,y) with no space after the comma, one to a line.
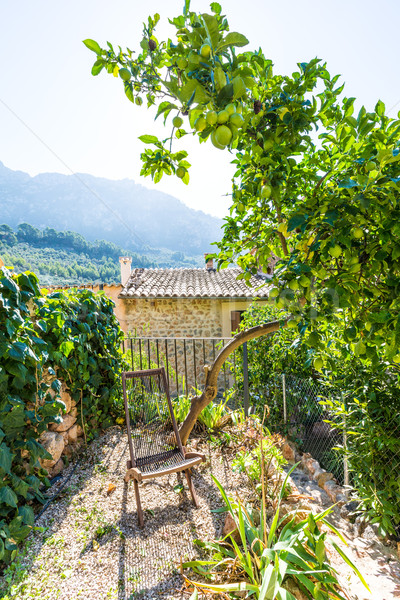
(56,117)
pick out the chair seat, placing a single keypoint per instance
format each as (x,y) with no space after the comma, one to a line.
(161,461)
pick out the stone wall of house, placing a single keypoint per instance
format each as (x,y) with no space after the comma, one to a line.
(167,320)
(174,317)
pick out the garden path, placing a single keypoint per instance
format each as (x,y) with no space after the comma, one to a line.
(91,548)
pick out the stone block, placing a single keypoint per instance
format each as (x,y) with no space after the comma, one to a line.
(334,491)
(323,477)
(73,434)
(66,398)
(67,422)
(58,467)
(288,452)
(53,442)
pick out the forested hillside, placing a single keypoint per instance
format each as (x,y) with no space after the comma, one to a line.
(67,258)
(121,212)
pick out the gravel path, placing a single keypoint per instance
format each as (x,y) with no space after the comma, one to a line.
(91,547)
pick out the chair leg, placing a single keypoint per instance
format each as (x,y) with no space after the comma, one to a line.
(138,504)
(191,488)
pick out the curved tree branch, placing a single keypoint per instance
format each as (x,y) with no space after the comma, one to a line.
(211,384)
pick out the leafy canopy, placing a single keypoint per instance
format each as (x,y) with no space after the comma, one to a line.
(316,184)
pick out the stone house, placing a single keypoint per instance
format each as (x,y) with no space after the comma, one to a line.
(181,317)
(186,302)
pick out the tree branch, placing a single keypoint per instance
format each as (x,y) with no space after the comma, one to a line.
(211,385)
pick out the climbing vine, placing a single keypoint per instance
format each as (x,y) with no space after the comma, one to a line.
(71,335)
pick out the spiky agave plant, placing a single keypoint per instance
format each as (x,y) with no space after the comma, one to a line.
(264,560)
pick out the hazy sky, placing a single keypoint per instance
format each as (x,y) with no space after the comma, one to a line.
(56,117)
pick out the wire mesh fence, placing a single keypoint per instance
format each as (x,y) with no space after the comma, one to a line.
(310,423)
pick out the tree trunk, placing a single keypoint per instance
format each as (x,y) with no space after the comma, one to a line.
(211,384)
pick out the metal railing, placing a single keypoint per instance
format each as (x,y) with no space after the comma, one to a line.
(184,360)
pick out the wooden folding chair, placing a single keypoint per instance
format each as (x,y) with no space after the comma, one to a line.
(154,444)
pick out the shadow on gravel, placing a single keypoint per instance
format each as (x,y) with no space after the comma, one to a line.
(141,578)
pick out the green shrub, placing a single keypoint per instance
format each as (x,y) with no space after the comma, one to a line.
(26,408)
(73,333)
(84,340)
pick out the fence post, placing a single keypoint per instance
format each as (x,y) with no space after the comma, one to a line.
(345,462)
(284,397)
(245,380)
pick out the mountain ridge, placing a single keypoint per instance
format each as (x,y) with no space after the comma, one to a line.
(119,211)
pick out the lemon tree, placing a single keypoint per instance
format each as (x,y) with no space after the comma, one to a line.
(316,182)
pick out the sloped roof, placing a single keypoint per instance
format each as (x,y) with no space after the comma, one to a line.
(192,283)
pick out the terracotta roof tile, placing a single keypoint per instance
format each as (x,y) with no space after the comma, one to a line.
(192,283)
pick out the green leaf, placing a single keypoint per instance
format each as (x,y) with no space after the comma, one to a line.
(350,563)
(193,90)
(27,514)
(5,458)
(148,139)
(36,450)
(380,108)
(14,419)
(211,25)
(347,183)
(233,39)
(297,220)
(8,497)
(19,531)
(67,347)
(19,486)
(98,66)
(239,88)
(216,8)
(165,106)
(92,45)
(18,351)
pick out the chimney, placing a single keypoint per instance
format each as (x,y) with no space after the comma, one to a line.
(125,263)
(209,263)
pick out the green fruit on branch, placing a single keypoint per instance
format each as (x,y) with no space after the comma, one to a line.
(236,119)
(182,63)
(181,172)
(211,117)
(358,233)
(304,281)
(266,191)
(292,324)
(223,135)
(293,284)
(125,74)
(370,166)
(230,109)
(177,122)
(335,251)
(223,116)
(356,268)
(268,144)
(205,51)
(274,293)
(200,123)
(215,142)
(318,364)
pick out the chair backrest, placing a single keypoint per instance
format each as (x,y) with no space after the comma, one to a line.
(150,420)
